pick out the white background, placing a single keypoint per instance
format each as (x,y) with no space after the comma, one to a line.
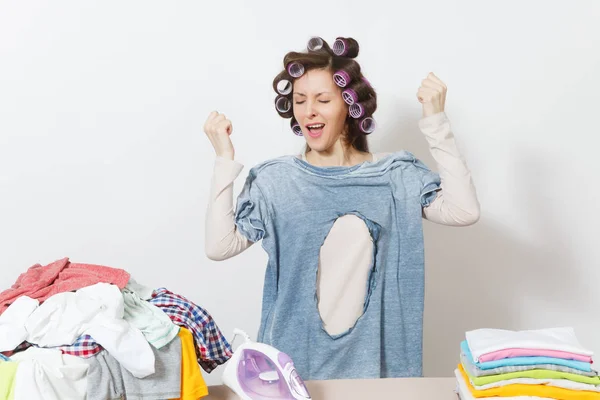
(103,158)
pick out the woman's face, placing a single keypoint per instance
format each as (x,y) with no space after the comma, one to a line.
(319,109)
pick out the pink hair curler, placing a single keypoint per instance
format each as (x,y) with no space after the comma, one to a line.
(284,87)
(283,104)
(350,96)
(340,47)
(295,69)
(341,78)
(296,128)
(368,125)
(356,110)
(315,44)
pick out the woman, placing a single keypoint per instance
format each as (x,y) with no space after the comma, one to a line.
(343,292)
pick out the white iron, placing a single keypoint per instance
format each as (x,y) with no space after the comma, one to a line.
(257,371)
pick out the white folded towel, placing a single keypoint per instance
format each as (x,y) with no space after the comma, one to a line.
(483,341)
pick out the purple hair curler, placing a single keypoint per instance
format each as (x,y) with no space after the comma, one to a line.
(296,128)
(295,69)
(368,125)
(284,87)
(315,44)
(350,96)
(283,104)
(340,47)
(341,78)
(356,110)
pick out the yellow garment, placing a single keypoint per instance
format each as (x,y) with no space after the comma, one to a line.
(8,370)
(193,386)
(552,392)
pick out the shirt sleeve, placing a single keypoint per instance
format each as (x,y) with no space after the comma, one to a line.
(222,239)
(430,183)
(456,202)
(251,216)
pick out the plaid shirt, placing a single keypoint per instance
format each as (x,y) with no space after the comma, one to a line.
(212,348)
(84,347)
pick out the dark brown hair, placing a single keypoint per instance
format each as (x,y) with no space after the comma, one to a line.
(325,58)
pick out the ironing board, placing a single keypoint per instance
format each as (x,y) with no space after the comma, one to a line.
(380,389)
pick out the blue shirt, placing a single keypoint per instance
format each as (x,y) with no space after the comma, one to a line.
(292,205)
(518,361)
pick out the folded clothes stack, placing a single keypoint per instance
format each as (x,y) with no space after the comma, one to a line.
(532,364)
(83,331)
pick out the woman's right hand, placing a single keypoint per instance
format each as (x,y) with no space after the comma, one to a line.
(218,128)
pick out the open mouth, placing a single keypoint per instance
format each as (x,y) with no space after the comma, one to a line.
(315,130)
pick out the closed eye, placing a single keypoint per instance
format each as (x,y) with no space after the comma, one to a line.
(320,101)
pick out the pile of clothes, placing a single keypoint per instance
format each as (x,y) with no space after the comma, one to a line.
(82,331)
(534,364)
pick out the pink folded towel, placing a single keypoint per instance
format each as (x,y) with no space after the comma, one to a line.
(40,282)
(518,352)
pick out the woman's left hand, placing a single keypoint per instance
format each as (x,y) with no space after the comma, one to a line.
(432,94)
